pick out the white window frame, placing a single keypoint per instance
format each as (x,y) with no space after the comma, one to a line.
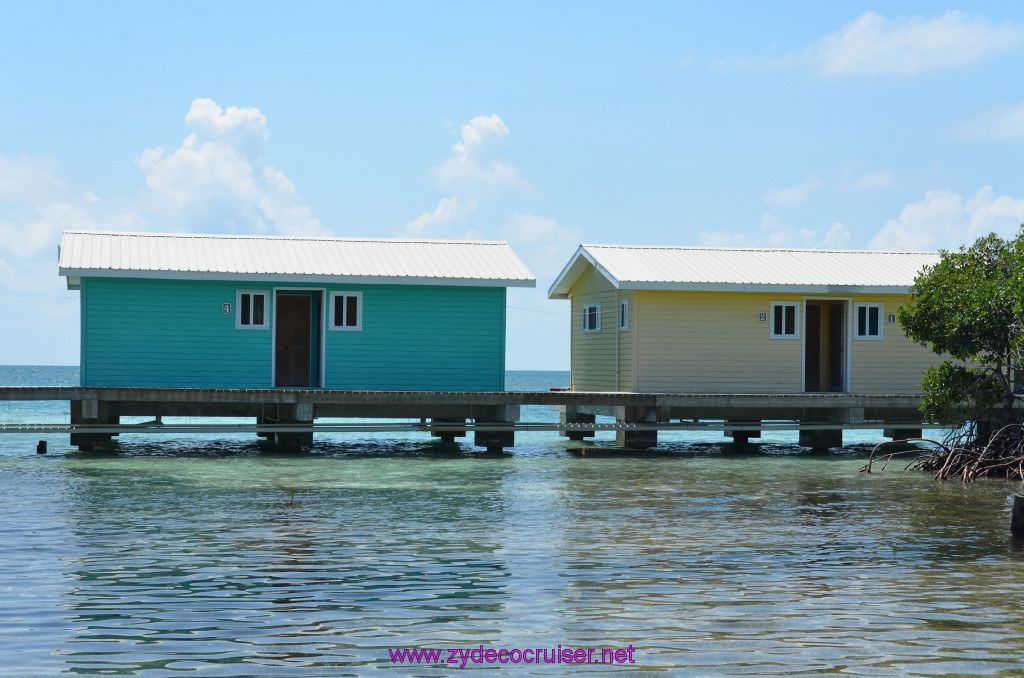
(359,312)
(856,320)
(238,309)
(586,308)
(795,305)
(623,314)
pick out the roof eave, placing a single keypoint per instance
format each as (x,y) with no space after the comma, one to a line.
(561,288)
(763,287)
(79,273)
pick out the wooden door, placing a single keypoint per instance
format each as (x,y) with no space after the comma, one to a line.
(293,340)
(812,348)
(837,347)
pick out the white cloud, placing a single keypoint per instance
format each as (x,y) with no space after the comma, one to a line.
(998,124)
(944,219)
(476,160)
(435,224)
(475,173)
(874,46)
(773,234)
(218,178)
(835,237)
(791,196)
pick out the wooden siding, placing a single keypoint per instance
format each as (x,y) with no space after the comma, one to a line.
(713,342)
(172,333)
(627,345)
(893,364)
(593,353)
(422,338)
(169,333)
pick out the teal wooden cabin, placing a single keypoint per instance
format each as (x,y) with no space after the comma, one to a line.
(223,311)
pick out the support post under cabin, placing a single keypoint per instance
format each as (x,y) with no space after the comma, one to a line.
(301,413)
(821,440)
(634,439)
(570,414)
(92,412)
(742,437)
(449,436)
(496,441)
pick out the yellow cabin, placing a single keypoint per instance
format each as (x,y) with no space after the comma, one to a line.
(732,320)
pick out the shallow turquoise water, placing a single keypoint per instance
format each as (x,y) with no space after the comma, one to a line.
(218,556)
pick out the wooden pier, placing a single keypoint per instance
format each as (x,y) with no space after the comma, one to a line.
(289,416)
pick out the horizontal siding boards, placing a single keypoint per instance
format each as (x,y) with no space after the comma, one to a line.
(593,353)
(172,333)
(712,342)
(169,333)
(422,338)
(626,342)
(893,364)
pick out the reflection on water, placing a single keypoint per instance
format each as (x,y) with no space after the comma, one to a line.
(223,557)
(233,560)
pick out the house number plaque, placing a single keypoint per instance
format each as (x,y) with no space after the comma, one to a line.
(225,309)
(762,317)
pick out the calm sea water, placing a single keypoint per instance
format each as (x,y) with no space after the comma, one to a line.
(217,556)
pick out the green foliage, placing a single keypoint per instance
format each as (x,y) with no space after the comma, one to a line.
(970,308)
(954,393)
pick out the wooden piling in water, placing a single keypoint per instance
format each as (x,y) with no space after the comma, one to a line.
(1017,517)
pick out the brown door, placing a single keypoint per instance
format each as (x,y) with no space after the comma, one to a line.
(293,340)
(837,347)
(812,348)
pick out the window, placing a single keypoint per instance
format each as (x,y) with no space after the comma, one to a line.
(346,310)
(251,310)
(592,318)
(867,321)
(784,324)
(624,314)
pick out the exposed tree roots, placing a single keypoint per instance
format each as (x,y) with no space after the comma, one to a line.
(964,454)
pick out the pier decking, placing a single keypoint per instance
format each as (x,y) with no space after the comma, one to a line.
(290,415)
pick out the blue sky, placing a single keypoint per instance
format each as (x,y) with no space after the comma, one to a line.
(889,126)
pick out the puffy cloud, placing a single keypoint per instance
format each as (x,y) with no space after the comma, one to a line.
(218,178)
(475,174)
(874,46)
(944,219)
(998,124)
(435,224)
(476,161)
(791,196)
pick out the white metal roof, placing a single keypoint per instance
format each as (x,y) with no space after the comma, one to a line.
(745,269)
(290,259)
